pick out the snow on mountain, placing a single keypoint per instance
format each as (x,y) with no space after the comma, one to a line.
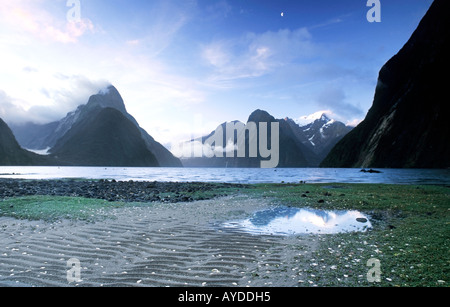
(318,132)
(309,119)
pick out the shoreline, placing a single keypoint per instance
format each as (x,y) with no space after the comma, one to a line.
(112,190)
(234,175)
(147,191)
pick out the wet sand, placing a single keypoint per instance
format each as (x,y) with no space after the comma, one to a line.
(160,245)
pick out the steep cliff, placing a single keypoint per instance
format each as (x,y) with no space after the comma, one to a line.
(407,126)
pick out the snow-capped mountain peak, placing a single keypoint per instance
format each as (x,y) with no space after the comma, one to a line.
(318,132)
(309,119)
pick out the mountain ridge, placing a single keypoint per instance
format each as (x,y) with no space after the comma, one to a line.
(47,136)
(106,138)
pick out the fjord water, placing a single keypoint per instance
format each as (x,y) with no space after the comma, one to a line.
(233,175)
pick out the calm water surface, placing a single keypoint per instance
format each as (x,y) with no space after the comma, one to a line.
(287,221)
(233,175)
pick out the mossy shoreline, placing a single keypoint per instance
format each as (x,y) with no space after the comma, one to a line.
(410,236)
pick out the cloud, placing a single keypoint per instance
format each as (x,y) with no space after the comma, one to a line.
(254,55)
(61,100)
(217,55)
(9,111)
(330,22)
(44,80)
(163,23)
(32,17)
(218,10)
(30,69)
(334,99)
(197,149)
(353,123)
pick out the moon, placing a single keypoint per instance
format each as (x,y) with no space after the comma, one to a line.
(282,14)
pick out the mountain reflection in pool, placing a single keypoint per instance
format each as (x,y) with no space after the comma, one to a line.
(292,221)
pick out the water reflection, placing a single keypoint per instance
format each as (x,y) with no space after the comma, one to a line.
(291,221)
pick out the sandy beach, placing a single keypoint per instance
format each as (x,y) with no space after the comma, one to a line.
(201,243)
(160,245)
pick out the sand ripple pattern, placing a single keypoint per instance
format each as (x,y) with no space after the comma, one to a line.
(161,246)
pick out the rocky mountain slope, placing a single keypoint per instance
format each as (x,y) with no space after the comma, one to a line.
(321,135)
(11,154)
(407,126)
(105,138)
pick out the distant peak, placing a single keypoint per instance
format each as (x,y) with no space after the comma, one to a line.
(260,116)
(106,90)
(324,117)
(108,97)
(309,119)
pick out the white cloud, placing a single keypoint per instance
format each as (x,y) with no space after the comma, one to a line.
(335,99)
(161,27)
(216,54)
(308,119)
(48,70)
(255,55)
(29,17)
(197,149)
(354,122)
(71,92)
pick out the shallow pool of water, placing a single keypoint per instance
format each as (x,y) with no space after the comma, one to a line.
(295,221)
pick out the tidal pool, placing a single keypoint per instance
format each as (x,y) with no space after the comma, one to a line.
(287,221)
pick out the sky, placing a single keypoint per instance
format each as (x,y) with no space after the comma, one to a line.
(183,67)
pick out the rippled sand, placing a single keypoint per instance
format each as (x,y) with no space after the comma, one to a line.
(160,245)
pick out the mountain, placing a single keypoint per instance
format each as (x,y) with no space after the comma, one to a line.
(321,134)
(34,136)
(105,138)
(309,119)
(11,154)
(407,126)
(296,143)
(40,137)
(292,153)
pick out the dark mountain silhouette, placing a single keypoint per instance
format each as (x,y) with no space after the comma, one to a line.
(407,126)
(292,152)
(11,154)
(33,136)
(106,138)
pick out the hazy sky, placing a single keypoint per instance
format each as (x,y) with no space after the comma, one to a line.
(181,62)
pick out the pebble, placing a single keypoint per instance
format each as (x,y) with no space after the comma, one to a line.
(128,191)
